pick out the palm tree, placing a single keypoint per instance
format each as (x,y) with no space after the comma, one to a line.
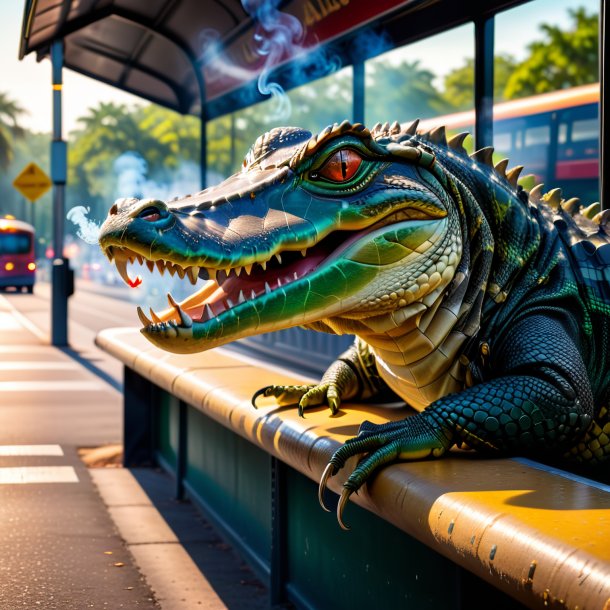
(10,111)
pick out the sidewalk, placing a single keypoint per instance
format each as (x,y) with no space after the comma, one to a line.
(61,544)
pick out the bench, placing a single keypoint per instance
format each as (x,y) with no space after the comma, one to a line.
(460,532)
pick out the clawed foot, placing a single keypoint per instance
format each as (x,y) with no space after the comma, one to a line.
(305,395)
(410,439)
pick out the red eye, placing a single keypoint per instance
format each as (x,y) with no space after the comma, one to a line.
(341,166)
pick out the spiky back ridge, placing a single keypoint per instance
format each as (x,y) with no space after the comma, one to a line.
(382,134)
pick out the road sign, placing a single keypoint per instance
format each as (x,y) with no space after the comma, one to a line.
(32,182)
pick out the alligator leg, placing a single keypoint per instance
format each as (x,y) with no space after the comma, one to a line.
(352,376)
(539,399)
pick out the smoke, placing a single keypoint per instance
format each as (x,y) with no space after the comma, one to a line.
(277,37)
(88,230)
(132,172)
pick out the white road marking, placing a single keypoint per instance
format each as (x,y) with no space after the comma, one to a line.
(38,474)
(51,386)
(29,450)
(27,349)
(20,320)
(8,322)
(37,365)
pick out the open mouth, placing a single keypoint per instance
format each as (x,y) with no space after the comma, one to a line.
(227,288)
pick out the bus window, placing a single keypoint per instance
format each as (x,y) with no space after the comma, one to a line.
(15,243)
(502,142)
(538,136)
(587,129)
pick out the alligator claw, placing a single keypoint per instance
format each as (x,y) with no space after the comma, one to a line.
(261,392)
(345,494)
(329,471)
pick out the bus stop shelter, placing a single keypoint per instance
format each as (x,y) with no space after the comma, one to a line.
(203,58)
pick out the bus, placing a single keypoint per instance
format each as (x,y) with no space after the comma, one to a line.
(17,255)
(555,136)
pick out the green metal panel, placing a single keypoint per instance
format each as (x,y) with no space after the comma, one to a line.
(233,478)
(374,565)
(167,428)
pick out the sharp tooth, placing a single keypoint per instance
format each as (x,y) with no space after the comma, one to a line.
(248,269)
(121,265)
(230,303)
(145,321)
(131,258)
(172,301)
(304,252)
(150,265)
(208,312)
(264,265)
(193,273)
(155,318)
(238,270)
(296,277)
(140,259)
(241,298)
(181,271)
(267,288)
(252,294)
(160,266)
(185,319)
(279,258)
(279,282)
(171,269)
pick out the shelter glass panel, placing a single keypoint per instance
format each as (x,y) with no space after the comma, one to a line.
(546,94)
(430,78)
(322,102)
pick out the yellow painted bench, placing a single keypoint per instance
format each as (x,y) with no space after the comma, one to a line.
(540,535)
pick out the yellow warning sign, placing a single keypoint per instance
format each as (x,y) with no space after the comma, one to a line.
(32,182)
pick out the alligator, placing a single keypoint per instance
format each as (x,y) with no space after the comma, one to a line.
(483,306)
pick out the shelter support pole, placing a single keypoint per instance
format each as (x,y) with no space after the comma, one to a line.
(604,84)
(358,92)
(62,280)
(483,81)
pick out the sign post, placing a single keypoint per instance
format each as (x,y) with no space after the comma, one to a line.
(62,274)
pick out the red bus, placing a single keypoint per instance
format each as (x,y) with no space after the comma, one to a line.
(17,258)
(555,136)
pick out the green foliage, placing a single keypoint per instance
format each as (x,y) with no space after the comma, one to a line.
(10,111)
(407,89)
(563,58)
(459,83)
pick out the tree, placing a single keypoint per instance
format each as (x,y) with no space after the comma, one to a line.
(459,83)
(10,111)
(563,58)
(401,92)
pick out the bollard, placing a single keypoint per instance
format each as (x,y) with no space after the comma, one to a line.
(62,288)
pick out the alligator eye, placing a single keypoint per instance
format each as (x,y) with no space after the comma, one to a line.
(150,214)
(341,166)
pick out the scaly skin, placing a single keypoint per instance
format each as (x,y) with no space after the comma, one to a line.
(484,307)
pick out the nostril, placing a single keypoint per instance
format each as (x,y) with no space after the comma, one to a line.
(150,214)
(114,209)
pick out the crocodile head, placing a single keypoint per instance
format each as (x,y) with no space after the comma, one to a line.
(323,230)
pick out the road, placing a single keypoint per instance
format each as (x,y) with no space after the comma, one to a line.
(91,308)
(59,549)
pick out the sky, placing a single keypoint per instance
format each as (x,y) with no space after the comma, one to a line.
(29,82)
